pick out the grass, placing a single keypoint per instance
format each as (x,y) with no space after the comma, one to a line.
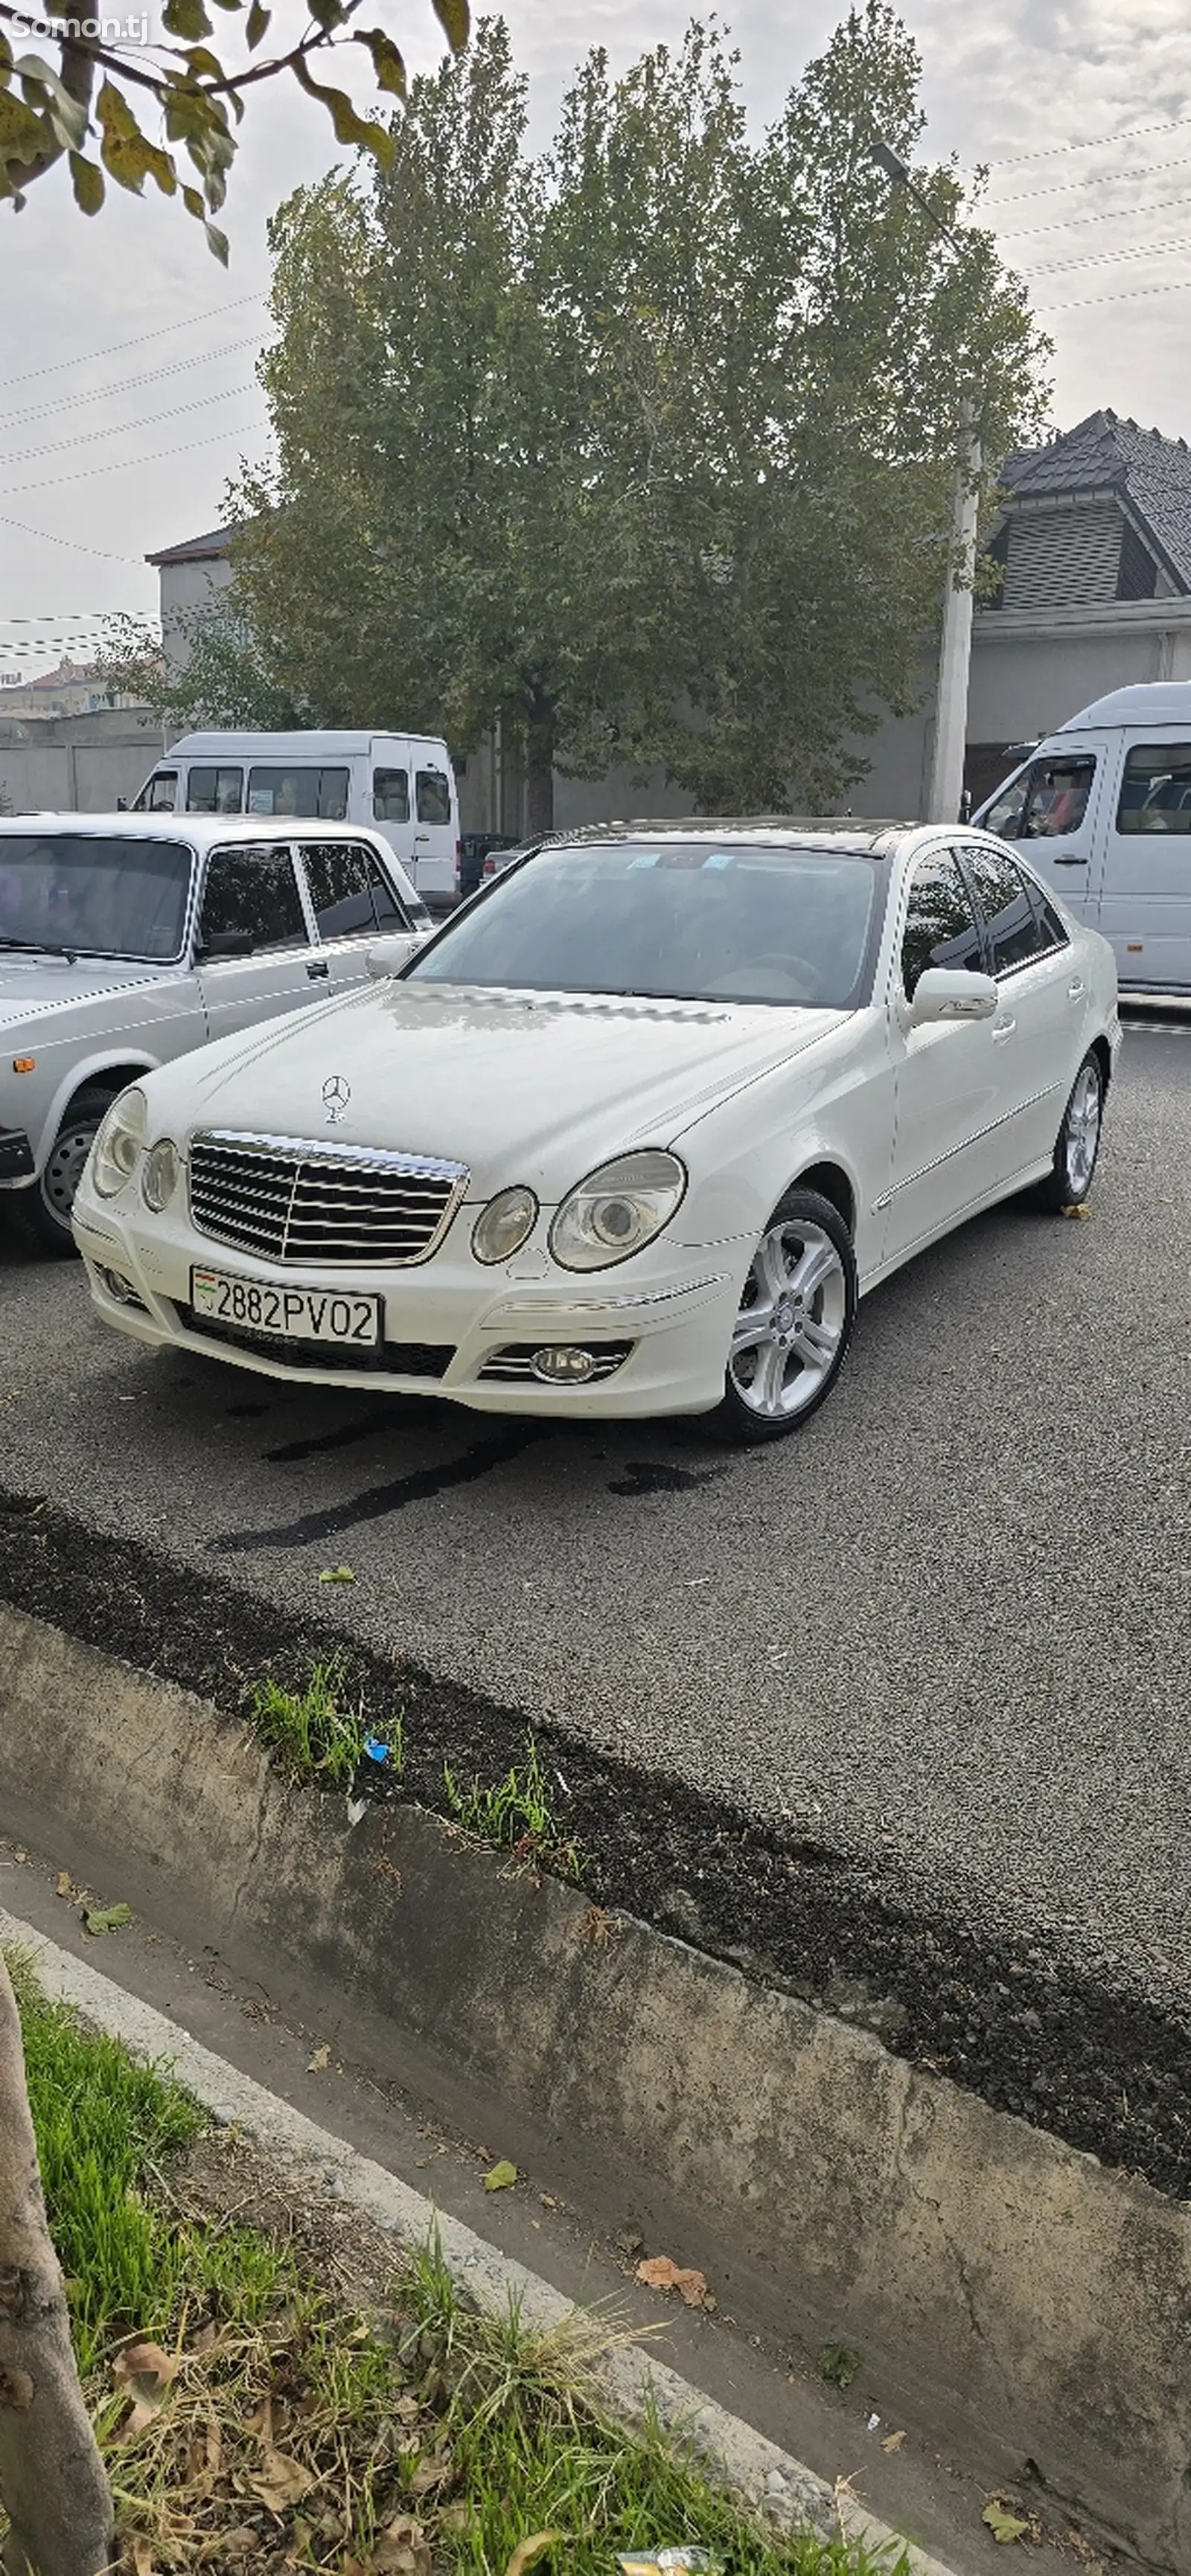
(317,1735)
(290,2430)
(514,1813)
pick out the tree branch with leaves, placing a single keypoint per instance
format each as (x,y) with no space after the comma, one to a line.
(128,112)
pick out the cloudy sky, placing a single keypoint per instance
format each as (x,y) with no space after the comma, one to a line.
(127,394)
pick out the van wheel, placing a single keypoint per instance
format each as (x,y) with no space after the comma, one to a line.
(1077,1143)
(46,1207)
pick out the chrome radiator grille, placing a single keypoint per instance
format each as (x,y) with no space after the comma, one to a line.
(294,1199)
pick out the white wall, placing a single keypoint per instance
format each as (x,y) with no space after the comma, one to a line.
(187,586)
(78,765)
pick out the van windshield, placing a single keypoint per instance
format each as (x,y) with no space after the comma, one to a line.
(93,895)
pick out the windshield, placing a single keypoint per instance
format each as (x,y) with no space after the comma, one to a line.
(93,895)
(685,921)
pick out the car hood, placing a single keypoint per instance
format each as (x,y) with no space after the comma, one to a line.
(32,988)
(533,1087)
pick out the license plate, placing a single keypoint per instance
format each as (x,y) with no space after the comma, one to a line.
(290,1314)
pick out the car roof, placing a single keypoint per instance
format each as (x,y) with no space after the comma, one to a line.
(856,834)
(198,830)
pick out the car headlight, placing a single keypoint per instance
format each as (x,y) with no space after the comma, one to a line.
(617,1209)
(159,1179)
(119,1144)
(502,1227)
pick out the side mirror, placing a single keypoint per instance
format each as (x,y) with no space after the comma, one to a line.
(390,955)
(225,943)
(952,993)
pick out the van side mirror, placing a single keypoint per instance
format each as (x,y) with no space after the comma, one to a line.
(952,993)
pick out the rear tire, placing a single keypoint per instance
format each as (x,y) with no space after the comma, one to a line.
(1077,1144)
(46,1207)
(797,1310)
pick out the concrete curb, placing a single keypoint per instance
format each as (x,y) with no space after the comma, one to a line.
(1033,2300)
(630,2382)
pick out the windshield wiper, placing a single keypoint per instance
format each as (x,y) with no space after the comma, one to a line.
(42,948)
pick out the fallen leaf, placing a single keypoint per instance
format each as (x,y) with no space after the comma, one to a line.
(144,2371)
(321,2058)
(838,2364)
(402,2550)
(142,2557)
(893,2441)
(1003,2525)
(337,1574)
(280,2482)
(64,1886)
(107,1918)
(261,2421)
(660,2273)
(433,2471)
(500,2177)
(1082,1210)
(529,2551)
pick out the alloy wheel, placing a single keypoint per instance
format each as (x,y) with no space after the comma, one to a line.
(792,1319)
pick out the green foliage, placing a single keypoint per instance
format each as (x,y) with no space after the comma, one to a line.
(643,448)
(188,87)
(317,1736)
(220,678)
(513,1813)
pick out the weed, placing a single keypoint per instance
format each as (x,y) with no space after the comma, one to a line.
(514,1814)
(318,1736)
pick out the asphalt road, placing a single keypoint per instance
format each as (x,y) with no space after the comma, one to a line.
(945,1629)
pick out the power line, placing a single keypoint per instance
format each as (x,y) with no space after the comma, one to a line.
(1071,223)
(1108,258)
(1128,295)
(1091,143)
(1093,179)
(128,385)
(117,347)
(47,538)
(126,465)
(88,438)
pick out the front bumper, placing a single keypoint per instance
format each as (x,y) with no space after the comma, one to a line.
(17,1164)
(658,1327)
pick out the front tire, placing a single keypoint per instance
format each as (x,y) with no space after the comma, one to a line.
(1078,1142)
(46,1207)
(797,1310)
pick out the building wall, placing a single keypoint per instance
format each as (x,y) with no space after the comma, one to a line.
(188,586)
(76,764)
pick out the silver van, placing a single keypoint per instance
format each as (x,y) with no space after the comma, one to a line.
(1105,805)
(402,785)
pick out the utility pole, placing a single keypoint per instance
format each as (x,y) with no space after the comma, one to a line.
(955,649)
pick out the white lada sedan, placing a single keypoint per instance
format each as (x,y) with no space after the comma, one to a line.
(629,1136)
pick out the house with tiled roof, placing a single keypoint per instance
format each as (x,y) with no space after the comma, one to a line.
(1093,543)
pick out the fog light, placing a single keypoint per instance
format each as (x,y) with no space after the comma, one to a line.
(563,1364)
(121,1289)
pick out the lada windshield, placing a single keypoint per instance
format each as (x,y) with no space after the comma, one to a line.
(698,921)
(81,894)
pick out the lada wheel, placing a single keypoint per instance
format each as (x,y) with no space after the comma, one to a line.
(46,1207)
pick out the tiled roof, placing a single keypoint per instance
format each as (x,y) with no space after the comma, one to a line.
(1104,453)
(208,549)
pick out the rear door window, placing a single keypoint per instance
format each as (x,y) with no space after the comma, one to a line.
(1013,926)
(299,788)
(348,892)
(390,795)
(434,796)
(1156,788)
(252,894)
(941,925)
(214,791)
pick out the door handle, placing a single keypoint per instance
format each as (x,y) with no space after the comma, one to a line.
(1003,1029)
(1057,862)
(1074,990)
(421,836)
(317,966)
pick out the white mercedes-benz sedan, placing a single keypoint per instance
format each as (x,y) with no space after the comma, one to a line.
(630,1136)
